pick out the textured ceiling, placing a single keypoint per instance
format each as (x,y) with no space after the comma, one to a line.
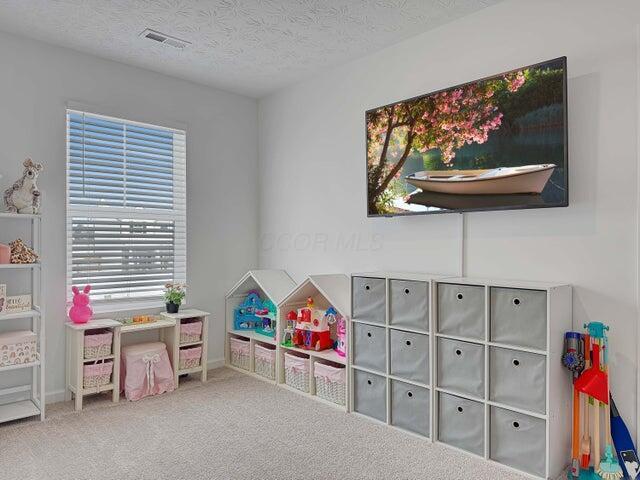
(253,47)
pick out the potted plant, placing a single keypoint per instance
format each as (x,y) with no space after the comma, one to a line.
(174,295)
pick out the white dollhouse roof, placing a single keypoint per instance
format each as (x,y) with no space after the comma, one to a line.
(275,284)
(333,287)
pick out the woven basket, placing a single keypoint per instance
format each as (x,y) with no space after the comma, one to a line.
(330,382)
(265,362)
(190,331)
(97,375)
(239,350)
(296,371)
(190,358)
(97,344)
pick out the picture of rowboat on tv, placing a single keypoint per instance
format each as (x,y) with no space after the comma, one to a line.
(493,144)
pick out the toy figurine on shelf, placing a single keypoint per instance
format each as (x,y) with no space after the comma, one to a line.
(268,316)
(312,330)
(289,330)
(245,316)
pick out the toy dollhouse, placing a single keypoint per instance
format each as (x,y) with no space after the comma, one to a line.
(312,330)
(256,314)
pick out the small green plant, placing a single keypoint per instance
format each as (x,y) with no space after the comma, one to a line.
(174,293)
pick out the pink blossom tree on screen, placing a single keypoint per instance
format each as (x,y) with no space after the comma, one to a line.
(447,120)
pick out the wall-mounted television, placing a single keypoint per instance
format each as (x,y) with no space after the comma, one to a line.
(498,143)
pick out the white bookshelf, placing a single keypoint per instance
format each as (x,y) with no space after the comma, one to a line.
(270,284)
(326,291)
(26,399)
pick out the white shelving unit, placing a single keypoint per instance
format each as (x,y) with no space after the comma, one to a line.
(271,284)
(391,333)
(26,400)
(525,393)
(326,291)
(171,337)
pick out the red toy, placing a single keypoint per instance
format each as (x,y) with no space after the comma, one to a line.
(312,330)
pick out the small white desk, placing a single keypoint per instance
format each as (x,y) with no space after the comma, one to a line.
(169,326)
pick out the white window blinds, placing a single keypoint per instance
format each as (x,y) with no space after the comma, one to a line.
(126,197)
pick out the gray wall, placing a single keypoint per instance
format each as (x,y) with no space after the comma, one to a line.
(38,80)
(312,166)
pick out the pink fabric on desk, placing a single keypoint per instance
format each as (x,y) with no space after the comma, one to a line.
(146,370)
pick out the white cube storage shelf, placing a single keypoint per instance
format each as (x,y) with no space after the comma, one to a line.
(390,352)
(471,363)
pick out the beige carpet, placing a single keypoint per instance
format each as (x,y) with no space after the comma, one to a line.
(233,427)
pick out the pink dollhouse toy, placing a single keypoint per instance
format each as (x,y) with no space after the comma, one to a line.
(312,330)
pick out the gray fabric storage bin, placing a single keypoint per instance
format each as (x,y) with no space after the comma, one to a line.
(409,304)
(518,440)
(370,347)
(461,366)
(461,310)
(519,317)
(461,423)
(409,355)
(518,379)
(369,299)
(410,407)
(370,395)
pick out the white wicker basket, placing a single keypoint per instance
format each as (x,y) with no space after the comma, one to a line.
(296,371)
(330,383)
(189,358)
(190,331)
(265,362)
(239,350)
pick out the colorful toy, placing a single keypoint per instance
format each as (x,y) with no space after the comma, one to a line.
(340,345)
(245,316)
(593,382)
(312,330)
(573,360)
(81,311)
(268,316)
(288,332)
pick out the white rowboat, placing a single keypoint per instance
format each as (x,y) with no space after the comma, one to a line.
(503,180)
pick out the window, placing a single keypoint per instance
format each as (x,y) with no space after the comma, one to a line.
(126,207)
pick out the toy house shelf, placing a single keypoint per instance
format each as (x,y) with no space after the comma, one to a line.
(326,291)
(273,285)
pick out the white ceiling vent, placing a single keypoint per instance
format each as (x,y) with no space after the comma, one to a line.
(164,38)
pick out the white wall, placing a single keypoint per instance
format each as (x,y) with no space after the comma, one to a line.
(312,166)
(38,80)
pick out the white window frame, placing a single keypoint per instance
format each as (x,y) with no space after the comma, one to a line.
(178,214)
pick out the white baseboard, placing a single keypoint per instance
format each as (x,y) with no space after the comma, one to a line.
(56,396)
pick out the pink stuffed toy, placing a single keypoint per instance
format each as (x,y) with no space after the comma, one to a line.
(81,311)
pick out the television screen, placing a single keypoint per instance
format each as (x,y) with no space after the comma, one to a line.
(493,144)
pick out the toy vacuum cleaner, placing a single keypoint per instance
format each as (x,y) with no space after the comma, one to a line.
(586,357)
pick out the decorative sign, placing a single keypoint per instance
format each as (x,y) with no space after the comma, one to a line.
(3,298)
(18,303)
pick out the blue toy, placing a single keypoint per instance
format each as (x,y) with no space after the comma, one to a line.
(247,315)
(268,316)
